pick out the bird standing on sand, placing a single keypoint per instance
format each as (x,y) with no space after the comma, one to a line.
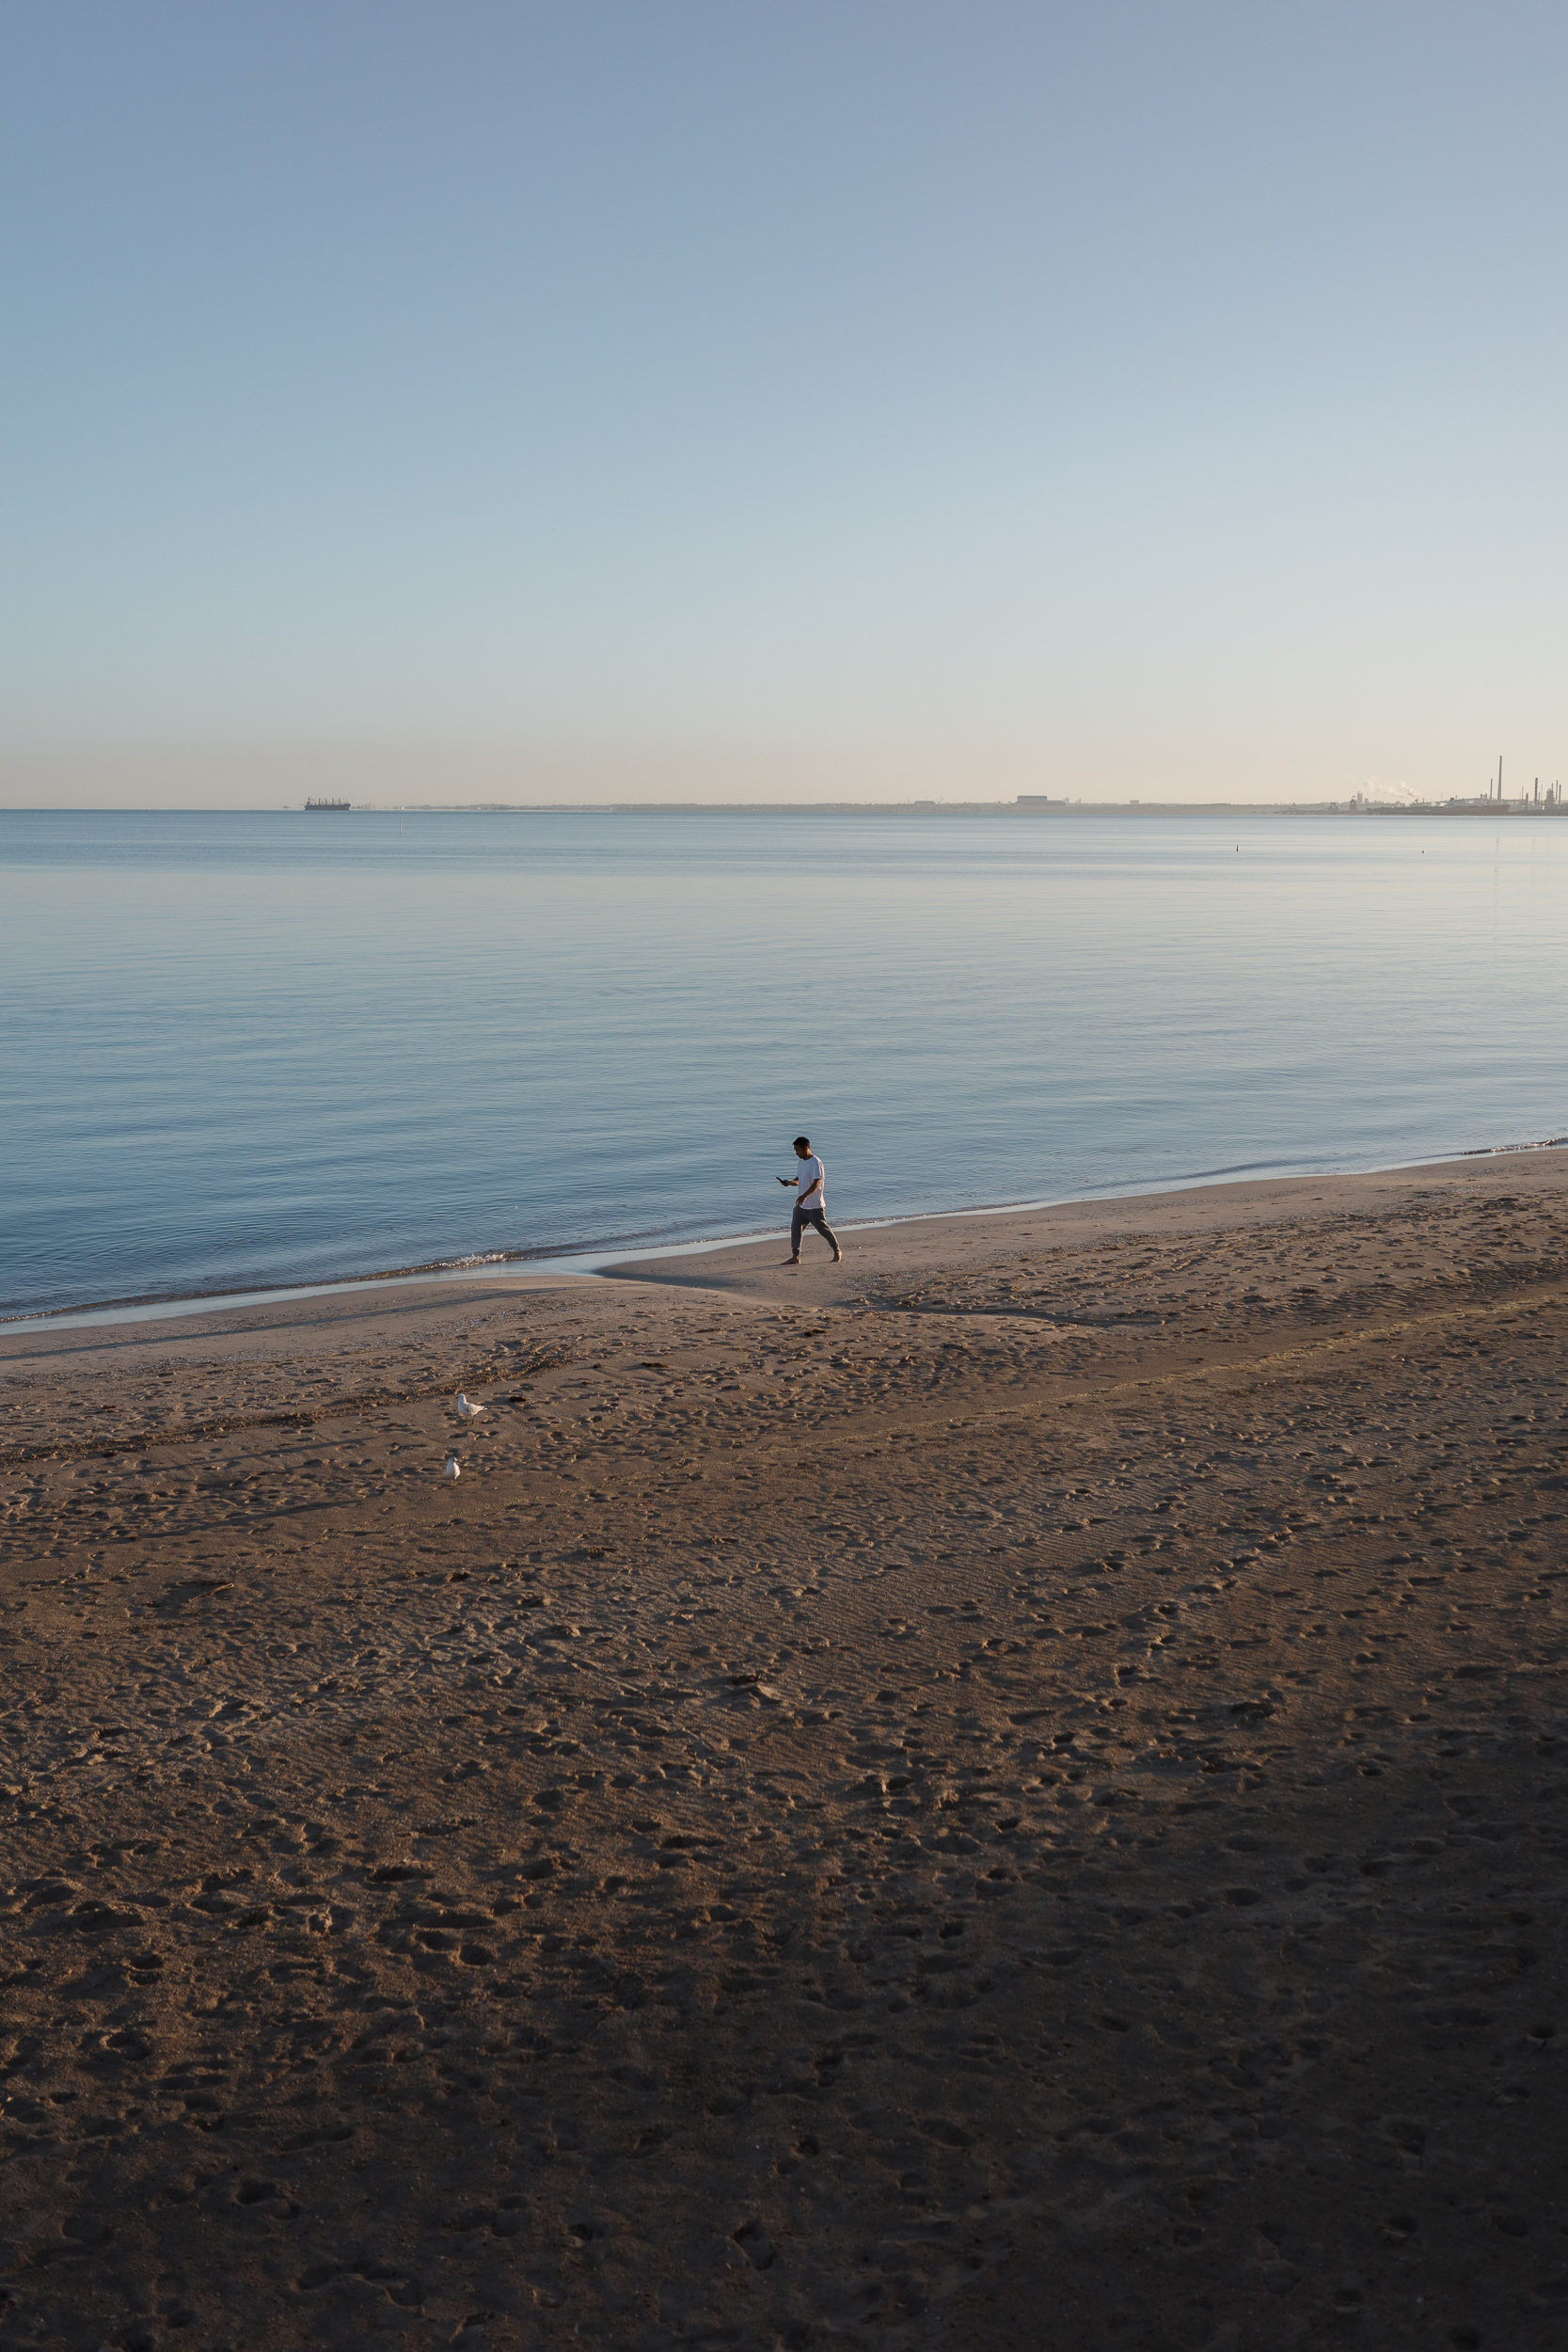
(453,1469)
(470,1412)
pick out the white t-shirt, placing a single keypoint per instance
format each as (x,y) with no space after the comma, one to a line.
(805,1170)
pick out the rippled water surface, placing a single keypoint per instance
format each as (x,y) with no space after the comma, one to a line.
(248,1049)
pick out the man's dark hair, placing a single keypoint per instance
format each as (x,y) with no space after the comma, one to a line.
(802,1143)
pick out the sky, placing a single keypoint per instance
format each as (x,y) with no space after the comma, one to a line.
(721,401)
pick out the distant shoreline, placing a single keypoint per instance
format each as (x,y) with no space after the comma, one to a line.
(1027,808)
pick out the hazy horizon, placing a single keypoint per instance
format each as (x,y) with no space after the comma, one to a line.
(257,777)
(869,404)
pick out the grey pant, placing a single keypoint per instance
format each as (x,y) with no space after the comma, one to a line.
(809,1217)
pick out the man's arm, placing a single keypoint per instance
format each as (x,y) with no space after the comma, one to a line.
(813,1186)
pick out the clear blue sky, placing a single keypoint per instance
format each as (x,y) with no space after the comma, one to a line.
(617,399)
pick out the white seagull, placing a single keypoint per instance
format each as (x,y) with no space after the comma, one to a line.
(468,1410)
(453,1469)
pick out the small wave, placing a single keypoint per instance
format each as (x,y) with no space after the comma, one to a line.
(1496,1150)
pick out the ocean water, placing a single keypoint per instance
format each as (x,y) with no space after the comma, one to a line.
(243,1050)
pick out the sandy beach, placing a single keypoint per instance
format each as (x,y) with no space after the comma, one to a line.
(1012,1792)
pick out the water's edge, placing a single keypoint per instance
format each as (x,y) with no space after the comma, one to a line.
(516,1266)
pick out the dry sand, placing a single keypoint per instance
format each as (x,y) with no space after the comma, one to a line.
(1009,1794)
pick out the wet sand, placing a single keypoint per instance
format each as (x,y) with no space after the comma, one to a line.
(1013,1792)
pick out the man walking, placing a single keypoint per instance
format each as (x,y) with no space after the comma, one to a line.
(811,1204)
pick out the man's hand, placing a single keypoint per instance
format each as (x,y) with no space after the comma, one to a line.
(786,1180)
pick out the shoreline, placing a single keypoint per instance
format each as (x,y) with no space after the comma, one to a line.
(600,1262)
(1016,805)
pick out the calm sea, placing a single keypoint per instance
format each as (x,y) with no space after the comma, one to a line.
(240,1050)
